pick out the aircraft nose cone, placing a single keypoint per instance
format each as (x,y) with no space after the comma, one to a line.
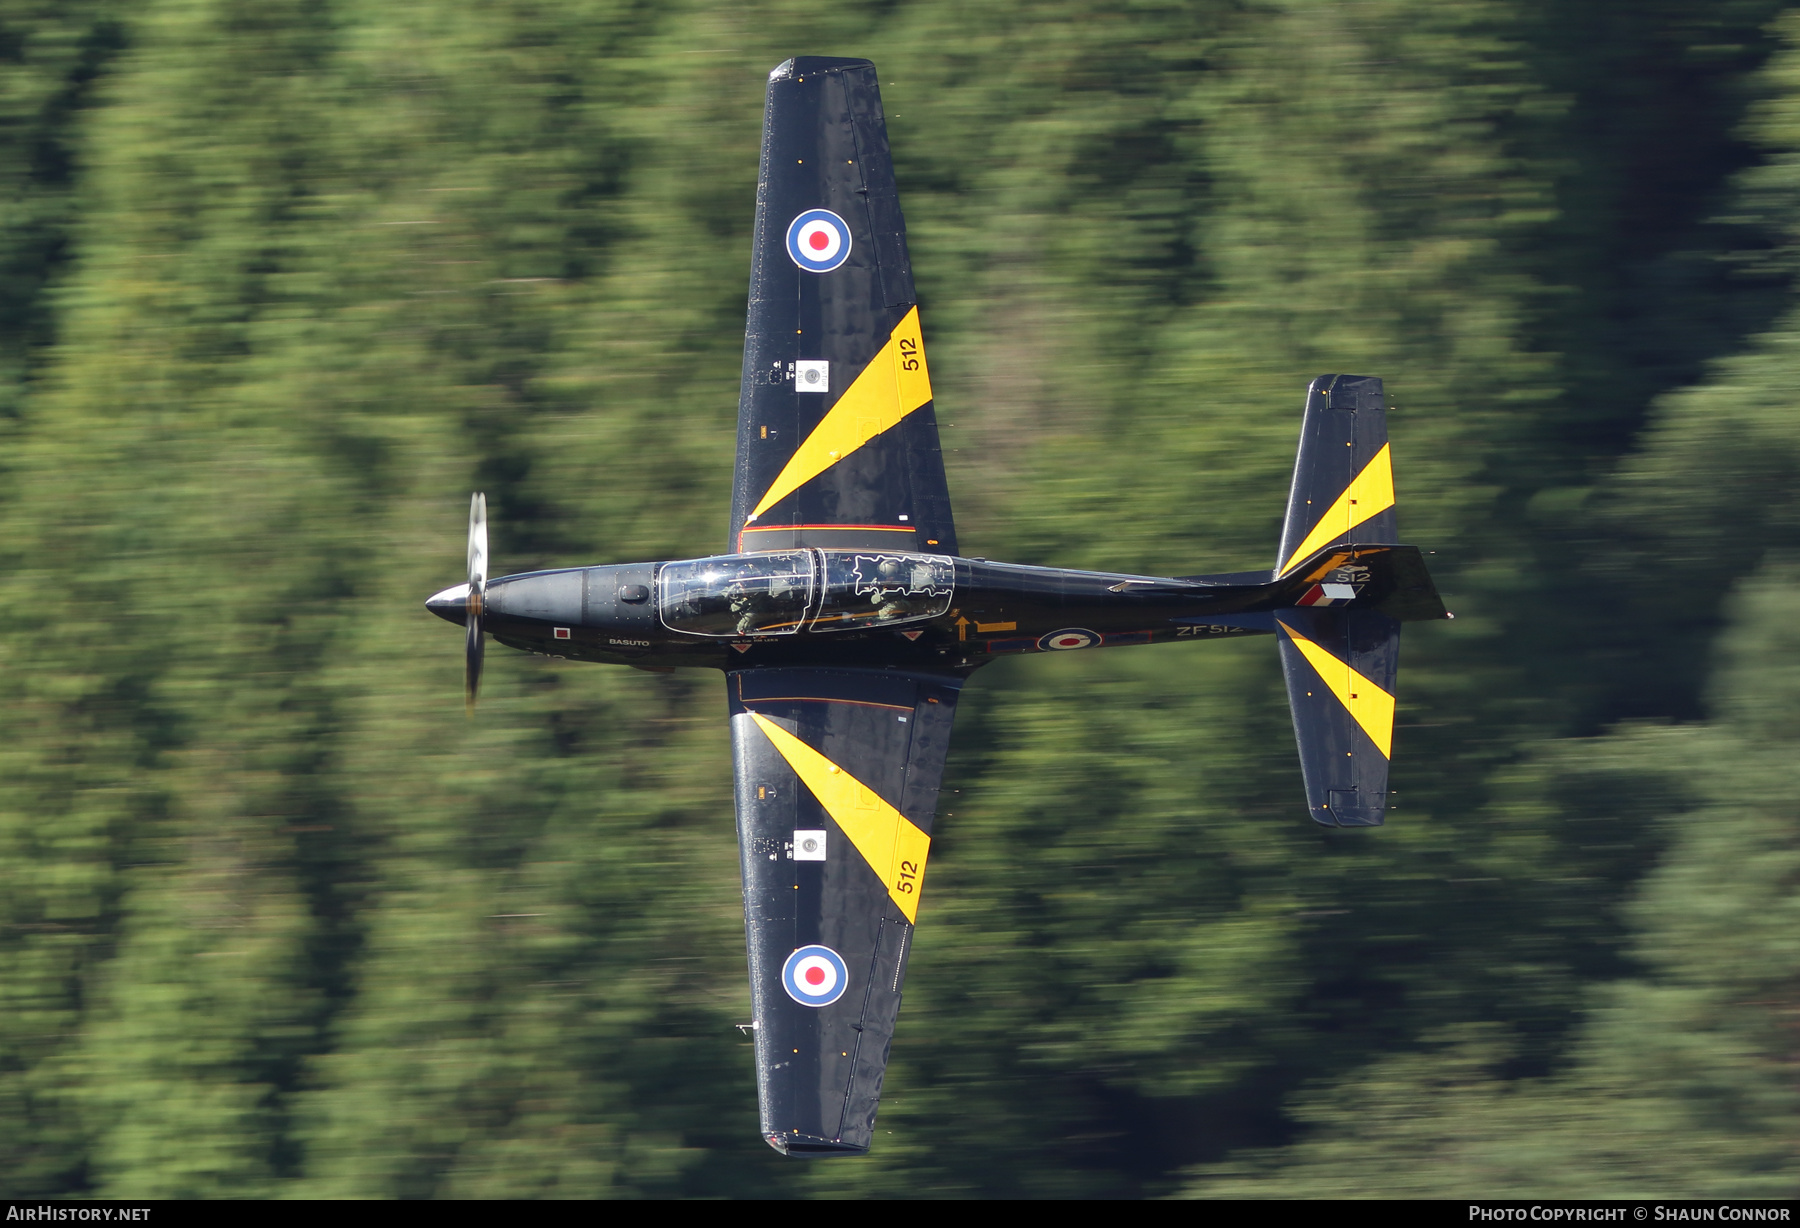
(451,605)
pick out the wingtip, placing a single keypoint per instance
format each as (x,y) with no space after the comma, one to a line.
(809,1148)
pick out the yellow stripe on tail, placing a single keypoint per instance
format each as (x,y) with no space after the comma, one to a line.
(1370,493)
(1372,707)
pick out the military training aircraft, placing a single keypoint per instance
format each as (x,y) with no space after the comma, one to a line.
(846,620)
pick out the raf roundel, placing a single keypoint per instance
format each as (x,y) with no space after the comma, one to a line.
(818,240)
(815,976)
(1069,637)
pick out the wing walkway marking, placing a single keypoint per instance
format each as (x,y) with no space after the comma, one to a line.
(882,394)
(905,529)
(788,528)
(817,699)
(1372,707)
(890,842)
(1370,493)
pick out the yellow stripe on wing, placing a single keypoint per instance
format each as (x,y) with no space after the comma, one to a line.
(891,843)
(893,385)
(1369,493)
(1372,707)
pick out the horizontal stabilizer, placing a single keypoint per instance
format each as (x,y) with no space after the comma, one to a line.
(1343,486)
(1340,667)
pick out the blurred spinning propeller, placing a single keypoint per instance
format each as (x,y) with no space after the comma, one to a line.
(478,574)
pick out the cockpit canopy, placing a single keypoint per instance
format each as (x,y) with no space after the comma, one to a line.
(783,591)
(737,594)
(873,590)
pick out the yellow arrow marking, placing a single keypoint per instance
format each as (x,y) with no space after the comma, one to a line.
(1372,707)
(962,627)
(891,843)
(893,385)
(1369,493)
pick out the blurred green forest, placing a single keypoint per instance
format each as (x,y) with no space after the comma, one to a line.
(282,281)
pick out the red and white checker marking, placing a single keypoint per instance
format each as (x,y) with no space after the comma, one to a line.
(1330,594)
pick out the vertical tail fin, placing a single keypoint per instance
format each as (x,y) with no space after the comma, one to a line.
(1340,664)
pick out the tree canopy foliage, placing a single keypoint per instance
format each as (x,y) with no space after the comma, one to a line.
(281,282)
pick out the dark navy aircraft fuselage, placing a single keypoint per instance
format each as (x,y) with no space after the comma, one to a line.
(897,609)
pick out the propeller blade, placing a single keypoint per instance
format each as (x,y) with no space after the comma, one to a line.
(478,574)
(478,543)
(472,662)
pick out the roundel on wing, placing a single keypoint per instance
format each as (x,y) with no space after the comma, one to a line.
(818,240)
(1069,637)
(815,976)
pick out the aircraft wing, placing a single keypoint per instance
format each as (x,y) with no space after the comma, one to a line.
(837,782)
(837,441)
